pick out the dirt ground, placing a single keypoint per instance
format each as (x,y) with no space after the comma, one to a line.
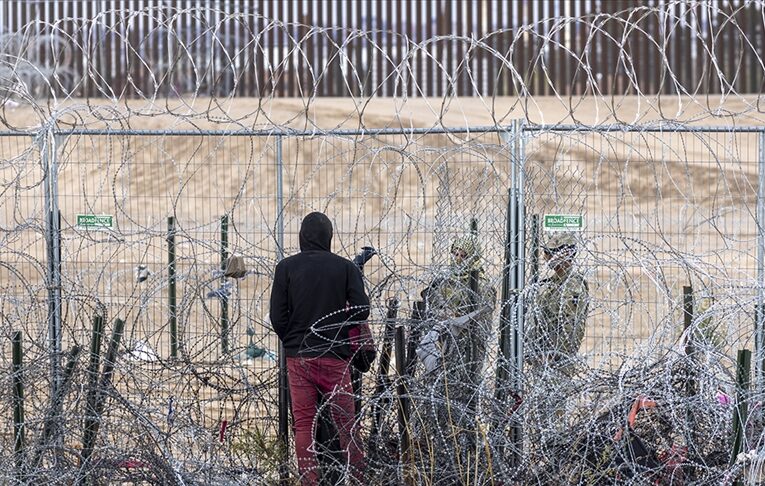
(348,113)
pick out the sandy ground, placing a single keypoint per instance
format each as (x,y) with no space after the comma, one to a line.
(348,113)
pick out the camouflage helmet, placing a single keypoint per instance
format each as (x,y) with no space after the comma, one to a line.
(469,244)
(563,240)
(472,261)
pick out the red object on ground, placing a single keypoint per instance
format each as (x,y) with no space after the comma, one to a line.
(331,377)
(641,403)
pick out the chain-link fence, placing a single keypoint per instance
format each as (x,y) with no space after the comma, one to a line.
(136,225)
(662,209)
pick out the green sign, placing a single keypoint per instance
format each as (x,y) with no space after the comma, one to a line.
(94,221)
(563,222)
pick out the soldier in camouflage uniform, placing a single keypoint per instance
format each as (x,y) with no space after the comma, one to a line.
(459,307)
(557,309)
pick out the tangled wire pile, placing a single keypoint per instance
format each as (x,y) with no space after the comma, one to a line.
(165,177)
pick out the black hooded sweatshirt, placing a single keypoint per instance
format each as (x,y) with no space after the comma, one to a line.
(317,296)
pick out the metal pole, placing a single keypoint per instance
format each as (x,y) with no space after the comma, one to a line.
(283,383)
(401,392)
(268,132)
(666,128)
(47,143)
(691,388)
(171,296)
(515,281)
(513,260)
(110,361)
(382,381)
(58,141)
(513,246)
(534,248)
(505,310)
(740,414)
(415,331)
(279,200)
(688,319)
(97,398)
(474,297)
(52,417)
(90,426)
(520,279)
(759,339)
(511,319)
(224,300)
(18,404)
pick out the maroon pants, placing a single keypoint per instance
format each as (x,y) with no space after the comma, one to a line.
(330,377)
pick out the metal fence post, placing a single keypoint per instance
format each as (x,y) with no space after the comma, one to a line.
(224,331)
(740,414)
(283,384)
(509,373)
(534,242)
(520,158)
(759,356)
(47,143)
(402,397)
(90,424)
(18,405)
(690,351)
(279,200)
(519,280)
(171,290)
(52,417)
(505,309)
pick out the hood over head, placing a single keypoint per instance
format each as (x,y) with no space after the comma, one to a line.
(316,232)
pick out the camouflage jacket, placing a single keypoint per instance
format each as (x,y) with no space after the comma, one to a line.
(463,348)
(556,313)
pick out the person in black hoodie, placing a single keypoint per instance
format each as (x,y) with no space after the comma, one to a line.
(316,298)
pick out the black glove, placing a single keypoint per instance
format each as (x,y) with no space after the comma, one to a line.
(366,253)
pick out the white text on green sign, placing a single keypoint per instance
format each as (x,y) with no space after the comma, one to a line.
(563,222)
(94,221)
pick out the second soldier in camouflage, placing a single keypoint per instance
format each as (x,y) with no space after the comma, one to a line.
(557,310)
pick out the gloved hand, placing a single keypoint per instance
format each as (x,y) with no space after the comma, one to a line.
(366,253)
(428,351)
(457,324)
(431,363)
